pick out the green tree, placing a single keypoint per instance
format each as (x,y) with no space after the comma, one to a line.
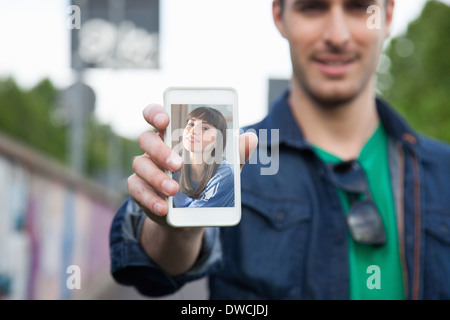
(25,116)
(418,82)
(28,116)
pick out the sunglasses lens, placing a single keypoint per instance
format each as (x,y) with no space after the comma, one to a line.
(350,177)
(365,223)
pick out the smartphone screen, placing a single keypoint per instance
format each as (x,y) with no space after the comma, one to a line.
(204,132)
(203,137)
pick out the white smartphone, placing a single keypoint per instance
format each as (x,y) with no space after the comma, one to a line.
(204,131)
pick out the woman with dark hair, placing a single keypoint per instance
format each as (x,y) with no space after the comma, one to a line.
(206,178)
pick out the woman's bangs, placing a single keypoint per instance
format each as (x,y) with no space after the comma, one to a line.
(206,115)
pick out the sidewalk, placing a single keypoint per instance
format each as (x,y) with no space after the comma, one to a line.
(196,290)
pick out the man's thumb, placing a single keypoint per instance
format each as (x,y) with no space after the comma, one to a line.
(247,144)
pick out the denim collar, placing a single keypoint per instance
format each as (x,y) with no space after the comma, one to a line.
(281,117)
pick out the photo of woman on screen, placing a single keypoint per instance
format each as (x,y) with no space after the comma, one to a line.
(206,178)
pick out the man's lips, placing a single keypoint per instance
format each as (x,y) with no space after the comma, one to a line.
(334,65)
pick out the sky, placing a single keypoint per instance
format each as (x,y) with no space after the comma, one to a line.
(202,43)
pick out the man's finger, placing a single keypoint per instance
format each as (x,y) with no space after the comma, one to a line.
(156,116)
(159,152)
(146,197)
(247,144)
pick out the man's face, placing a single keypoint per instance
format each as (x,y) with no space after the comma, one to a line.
(334,52)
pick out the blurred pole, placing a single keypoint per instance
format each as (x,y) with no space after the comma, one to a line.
(77,136)
(75,99)
(116,14)
(79,100)
(115,149)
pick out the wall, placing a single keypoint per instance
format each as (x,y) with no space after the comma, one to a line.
(50,220)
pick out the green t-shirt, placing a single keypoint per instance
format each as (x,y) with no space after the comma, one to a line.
(374,272)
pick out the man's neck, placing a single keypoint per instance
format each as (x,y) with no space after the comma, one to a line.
(342,130)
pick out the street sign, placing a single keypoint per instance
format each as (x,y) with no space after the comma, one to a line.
(116,34)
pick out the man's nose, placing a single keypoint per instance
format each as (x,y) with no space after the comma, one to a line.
(337,33)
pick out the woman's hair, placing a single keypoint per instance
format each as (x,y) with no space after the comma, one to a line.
(217,120)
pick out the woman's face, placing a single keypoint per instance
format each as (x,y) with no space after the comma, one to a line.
(199,135)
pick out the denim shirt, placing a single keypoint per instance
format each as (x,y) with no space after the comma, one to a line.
(292,240)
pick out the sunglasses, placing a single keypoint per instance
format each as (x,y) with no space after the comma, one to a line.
(363,219)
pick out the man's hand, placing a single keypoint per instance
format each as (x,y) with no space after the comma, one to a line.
(149,185)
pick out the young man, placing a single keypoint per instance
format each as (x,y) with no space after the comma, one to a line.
(359,208)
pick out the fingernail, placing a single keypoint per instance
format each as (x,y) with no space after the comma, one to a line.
(160,119)
(174,161)
(158,208)
(169,186)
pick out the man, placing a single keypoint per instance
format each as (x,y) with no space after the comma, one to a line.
(359,208)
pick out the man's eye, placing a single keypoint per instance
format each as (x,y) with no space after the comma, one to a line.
(359,5)
(311,7)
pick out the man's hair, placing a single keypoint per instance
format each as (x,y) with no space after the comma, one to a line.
(281,2)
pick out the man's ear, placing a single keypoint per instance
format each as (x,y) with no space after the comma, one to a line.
(277,13)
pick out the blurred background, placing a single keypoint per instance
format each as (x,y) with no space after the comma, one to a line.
(75,77)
